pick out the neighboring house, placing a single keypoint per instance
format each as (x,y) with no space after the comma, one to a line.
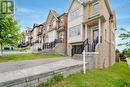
(91,25)
(37,37)
(26,38)
(56,33)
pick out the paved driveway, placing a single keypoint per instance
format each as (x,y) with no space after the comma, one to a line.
(13,66)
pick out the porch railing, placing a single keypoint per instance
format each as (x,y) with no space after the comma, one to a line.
(49,45)
(88,47)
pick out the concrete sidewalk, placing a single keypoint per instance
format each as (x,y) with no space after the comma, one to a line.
(18,77)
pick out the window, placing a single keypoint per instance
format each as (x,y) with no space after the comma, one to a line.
(74,14)
(51,36)
(75,31)
(95,8)
(54,23)
(61,36)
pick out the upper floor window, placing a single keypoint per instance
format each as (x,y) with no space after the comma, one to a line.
(54,23)
(61,22)
(74,14)
(95,8)
(75,31)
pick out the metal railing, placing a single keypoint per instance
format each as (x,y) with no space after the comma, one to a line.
(49,45)
(88,47)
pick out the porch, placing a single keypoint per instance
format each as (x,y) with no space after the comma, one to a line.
(92,34)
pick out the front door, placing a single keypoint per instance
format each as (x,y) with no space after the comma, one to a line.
(95,35)
(95,38)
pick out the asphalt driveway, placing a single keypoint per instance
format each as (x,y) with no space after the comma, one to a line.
(13,66)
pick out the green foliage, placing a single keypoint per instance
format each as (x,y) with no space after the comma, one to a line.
(6,48)
(125,36)
(56,78)
(126,52)
(117,51)
(9,30)
(124,83)
(117,75)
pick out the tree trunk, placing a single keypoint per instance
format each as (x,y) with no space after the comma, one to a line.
(1,49)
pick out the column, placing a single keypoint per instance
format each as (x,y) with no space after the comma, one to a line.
(99,27)
(86,31)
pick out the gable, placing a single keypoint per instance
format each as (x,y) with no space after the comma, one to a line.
(74,4)
(51,16)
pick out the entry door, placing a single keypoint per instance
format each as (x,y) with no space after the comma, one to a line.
(95,36)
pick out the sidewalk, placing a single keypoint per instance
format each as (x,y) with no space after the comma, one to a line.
(19,77)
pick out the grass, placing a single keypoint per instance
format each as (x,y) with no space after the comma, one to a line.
(116,76)
(19,57)
(53,80)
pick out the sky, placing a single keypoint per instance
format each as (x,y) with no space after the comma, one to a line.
(29,12)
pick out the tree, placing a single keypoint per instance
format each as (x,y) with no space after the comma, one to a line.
(126,52)
(125,36)
(9,31)
(117,51)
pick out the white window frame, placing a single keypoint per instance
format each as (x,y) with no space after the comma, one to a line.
(74,13)
(95,8)
(75,31)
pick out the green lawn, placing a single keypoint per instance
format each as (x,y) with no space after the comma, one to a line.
(115,76)
(18,57)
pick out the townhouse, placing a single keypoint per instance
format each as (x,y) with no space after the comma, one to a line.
(56,33)
(88,25)
(26,38)
(91,27)
(37,37)
(51,36)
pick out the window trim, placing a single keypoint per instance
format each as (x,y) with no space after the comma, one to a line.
(93,8)
(71,17)
(76,29)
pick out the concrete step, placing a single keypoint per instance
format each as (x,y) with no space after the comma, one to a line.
(90,59)
(31,77)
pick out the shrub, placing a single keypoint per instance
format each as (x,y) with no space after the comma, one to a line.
(6,48)
(124,83)
(39,49)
